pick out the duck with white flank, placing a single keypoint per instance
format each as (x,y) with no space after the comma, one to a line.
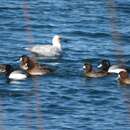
(123,76)
(12,74)
(105,65)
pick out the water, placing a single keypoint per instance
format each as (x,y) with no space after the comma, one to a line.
(65,100)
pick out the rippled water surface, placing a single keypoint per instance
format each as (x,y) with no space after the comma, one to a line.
(65,100)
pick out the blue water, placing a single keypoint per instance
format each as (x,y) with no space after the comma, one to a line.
(66,100)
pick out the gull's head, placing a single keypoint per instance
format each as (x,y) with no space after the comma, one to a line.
(56,40)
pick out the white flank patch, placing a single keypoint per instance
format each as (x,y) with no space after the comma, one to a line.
(17,76)
(115,70)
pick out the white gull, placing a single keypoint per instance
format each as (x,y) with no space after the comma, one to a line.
(48,50)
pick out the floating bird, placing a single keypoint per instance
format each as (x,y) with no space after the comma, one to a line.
(123,76)
(32,67)
(12,74)
(89,72)
(48,50)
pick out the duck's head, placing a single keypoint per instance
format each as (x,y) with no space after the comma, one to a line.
(104,65)
(24,58)
(2,68)
(87,67)
(26,61)
(123,75)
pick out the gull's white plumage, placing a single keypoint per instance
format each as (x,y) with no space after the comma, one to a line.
(48,50)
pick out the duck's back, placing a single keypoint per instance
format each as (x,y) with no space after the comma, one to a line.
(39,70)
(96,74)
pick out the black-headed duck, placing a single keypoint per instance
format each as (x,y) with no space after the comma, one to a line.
(14,74)
(104,65)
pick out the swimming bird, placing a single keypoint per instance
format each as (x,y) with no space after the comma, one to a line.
(89,72)
(12,74)
(123,76)
(105,65)
(32,67)
(48,50)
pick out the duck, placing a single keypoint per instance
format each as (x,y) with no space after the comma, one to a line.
(89,72)
(123,76)
(105,65)
(12,74)
(48,50)
(32,67)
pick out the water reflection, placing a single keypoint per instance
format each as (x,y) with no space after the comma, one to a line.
(116,35)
